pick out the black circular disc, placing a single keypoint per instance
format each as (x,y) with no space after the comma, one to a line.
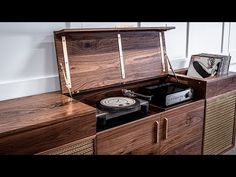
(118,103)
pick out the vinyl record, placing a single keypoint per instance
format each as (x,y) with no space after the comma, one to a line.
(118,103)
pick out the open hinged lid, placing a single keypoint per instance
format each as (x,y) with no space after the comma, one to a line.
(96,58)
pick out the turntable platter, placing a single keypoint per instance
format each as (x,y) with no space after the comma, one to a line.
(118,103)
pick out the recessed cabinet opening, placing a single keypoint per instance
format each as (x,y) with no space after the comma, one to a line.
(114,105)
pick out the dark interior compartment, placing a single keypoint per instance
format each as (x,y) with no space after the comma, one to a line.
(161,94)
(93,97)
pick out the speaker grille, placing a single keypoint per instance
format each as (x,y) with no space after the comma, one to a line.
(219,124)
(80,147)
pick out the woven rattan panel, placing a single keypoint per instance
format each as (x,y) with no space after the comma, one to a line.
(80,147)
(219,124)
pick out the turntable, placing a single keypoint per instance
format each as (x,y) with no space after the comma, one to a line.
(119,107)
(118,103)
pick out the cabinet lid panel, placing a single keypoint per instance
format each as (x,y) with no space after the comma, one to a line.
(99,58)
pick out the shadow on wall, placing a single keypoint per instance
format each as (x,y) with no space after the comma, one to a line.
(40,60)
(40,65)
(28,59)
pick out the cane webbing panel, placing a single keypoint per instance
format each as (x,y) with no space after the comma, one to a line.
(80,147)
(219,124)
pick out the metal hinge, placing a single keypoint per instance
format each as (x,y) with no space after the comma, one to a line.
(166,64)
(66,71)
(162,53)
(121,57)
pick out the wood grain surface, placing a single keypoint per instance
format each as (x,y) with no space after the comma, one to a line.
(185,124)
(142,55)
(32,112)
(127,138)
(220,85)
(47,137)
(94,58)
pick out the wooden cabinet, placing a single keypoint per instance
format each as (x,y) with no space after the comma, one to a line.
(220,97)
(127,138)
(37,123)
(176,131)
(183,129)
(98,63)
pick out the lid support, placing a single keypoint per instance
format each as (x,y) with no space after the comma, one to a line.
(66,72)
(121,57)
(162,53)
(166,64)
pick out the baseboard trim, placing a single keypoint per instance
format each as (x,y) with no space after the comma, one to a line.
(28,87)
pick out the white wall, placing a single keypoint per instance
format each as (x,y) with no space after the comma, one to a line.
(28,61)
(205,37)
(175,39)
(102,24)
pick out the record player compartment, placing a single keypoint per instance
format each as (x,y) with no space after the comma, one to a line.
(177,131)
(121,117)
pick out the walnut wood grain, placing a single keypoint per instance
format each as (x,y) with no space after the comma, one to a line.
(185,129)
(153,149)
(32,112)
(47,137)
(126,138)
(192,147)
(185,124)
(93,60)
(142,55)
(220,85)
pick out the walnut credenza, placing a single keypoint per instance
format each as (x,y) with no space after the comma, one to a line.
(99,63)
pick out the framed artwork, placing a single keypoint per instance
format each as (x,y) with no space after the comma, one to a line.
(208,65)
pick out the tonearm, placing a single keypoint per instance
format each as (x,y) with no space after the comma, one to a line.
(130,93)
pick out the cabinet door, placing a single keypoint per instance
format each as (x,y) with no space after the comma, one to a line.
(183,129)
(219,123)
(139,137)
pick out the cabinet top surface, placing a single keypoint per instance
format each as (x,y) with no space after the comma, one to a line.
(114,29)
(31,112)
